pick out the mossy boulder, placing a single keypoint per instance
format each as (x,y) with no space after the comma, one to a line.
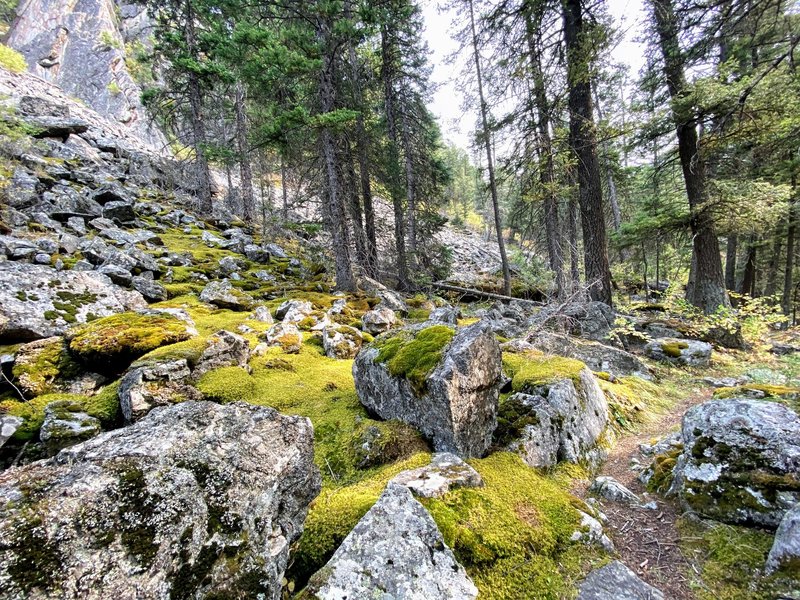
(112,343)
(442,381)
(691,353)
(44,366)
(341,341)
(65,424)
(741,461)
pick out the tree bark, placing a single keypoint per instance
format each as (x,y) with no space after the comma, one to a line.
(583,144)
(245,169)
(791,232)
(706,288)
(572,223)
(411,191)
(731,249)
(284,189)
(387,75)
(748,285)
(489,159)
(354,206)
(194,91)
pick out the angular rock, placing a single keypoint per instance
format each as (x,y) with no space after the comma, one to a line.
(616,581)
(117,274)
(196,499)
(447,315)
(395,548)
(8,427)
(287,336)
(38,301)
(151,290)
(785,552)
(161,384)
(262,314)
(692,353)
(445,472)
(224,295)
(564,422)
(223,349)
(611,489)
(740,462)
(293,311)
(119,211)
(378,320)
(43,367)
(276,251)
(389,298)
(256,254)
(341,341)
(66,424)
(591,532)
(457,410)
(229,264)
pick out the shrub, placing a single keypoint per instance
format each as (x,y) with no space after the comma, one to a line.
(11,60)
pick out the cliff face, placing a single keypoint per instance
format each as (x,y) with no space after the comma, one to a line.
(80,46)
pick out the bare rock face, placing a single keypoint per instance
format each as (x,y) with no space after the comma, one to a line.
(38,302)
(395,548)
(80,46)
(617,581)
(195,500)
(457,410)
(740,461)
(223,349)
(563,421)
(379,320)
(785,552)
(144,387)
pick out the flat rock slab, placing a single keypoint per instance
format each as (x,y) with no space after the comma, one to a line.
(615,581)
(195,500)
(394,552)
(38,302)
(446,471)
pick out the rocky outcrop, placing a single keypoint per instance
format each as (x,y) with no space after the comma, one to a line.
(588,320)
(379,320)
(159,384)
(785,552)
(690,353)
(65,424)
(39,302)
(395,548)
(741,461)
(611,489)
(341,341)
(446,472)
(223,349)
(195,500)
(222,294)
(616,581)
(454,404)
(560,421)
(80,47)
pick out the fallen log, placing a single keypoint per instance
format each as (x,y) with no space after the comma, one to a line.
(481,293)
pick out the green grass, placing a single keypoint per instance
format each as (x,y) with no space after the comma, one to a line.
(11,60)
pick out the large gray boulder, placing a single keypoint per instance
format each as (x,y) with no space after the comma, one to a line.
(457,407)
(37,301)
(690,353)
(561,421)
(195,500)
(740,462)
(223,349)
(615,581)
(395,551)
(785,552)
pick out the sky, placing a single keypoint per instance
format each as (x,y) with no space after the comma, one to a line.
(447,101)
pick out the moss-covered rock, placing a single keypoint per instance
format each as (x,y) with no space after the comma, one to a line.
(112,343)
(43,366)
(414,354)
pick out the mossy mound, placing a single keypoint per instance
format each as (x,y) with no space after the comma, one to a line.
(663,469)
(531,369)
(770,391)
(633,401)
(513,535)
(414,355)
(110,344)
(104,406)
(673,349)
(42,365)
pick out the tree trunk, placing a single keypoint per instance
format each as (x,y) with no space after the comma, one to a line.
(706,288)
(387,64)
(547,168)
(411,191)
(354,206)
(245,170)
(336,210)
(572,222)
(732,247)
(749,276)
(284,189)
(791,231)
(583,144)
(489,159)
(194,91)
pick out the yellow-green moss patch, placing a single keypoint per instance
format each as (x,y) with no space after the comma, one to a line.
(530,369)
(12,60)
(414,356)
(39,369)
(112,343)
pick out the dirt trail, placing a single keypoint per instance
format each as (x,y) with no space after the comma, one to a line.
(647,540)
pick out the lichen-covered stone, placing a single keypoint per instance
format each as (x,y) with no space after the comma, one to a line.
(379,320)
(195,500)
(616,581)
(8,427)
(44,366)
(65,424)
(692,353)
(785,552)
(611,489)
(38,302)
(285,335)
(160,384)
(341,341)
(591,532)
(447,386)
(223,349)
(396,551)
(740,462)
(293,311)
(223,295)
(445,472)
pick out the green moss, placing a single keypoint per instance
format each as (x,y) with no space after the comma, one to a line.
(529,369)
(110,344)
(35,559)
(513,535)
(663,470)
(11,60)
(632,401)
(414,357)
(228,384)
(770,391)
(673,349)
(136,507)
(512,418)
(189,350)
(728,558)
(334,513)
(44,367)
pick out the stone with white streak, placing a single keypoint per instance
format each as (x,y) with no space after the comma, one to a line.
(445,472)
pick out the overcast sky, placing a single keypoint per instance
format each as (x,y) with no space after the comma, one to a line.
(447,102)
